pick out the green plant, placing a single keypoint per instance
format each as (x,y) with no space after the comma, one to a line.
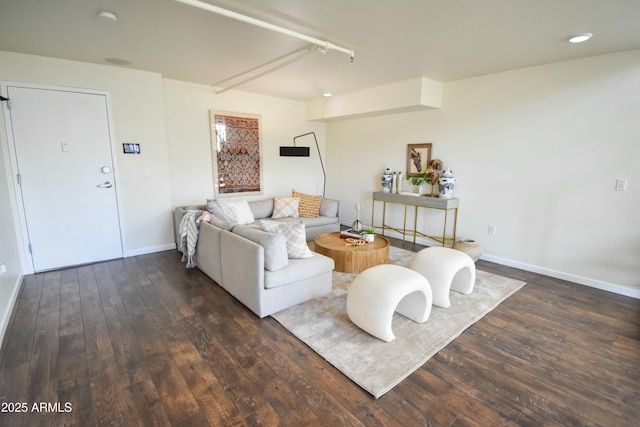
(419,179)
(429,176)
(370,230)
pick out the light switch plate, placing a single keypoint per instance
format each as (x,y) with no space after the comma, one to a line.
(621,184)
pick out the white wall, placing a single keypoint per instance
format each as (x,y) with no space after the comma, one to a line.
(187,107)
(536,152)
(170,119)
(138,115)
(9,254)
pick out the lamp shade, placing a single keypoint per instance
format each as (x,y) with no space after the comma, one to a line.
(294,151)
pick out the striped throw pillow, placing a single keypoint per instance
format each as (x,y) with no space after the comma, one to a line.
(285,207)
(294,237)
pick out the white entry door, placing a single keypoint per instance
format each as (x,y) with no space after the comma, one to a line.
(63,157)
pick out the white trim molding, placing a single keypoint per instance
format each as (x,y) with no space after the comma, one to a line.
(6,316)
(150,250)
(569,277)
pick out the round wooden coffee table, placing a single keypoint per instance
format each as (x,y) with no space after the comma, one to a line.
(352,259)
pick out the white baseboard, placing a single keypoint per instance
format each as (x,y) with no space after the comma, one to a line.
(574,278)
(587,281)
(150,250)
(6,316)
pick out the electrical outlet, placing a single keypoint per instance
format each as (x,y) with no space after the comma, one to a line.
(3,269)
(492,229)
(145,172)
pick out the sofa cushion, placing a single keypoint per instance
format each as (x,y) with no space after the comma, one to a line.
(220,210)
(294,236)
(235,211)
(285,207)
(297,271)
(274,245)
(317,222)
(261,208)
(241,211)
(220,223)
(329,208)
(289,220)
(309,205)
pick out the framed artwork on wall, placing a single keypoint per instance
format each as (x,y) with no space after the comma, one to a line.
(418,158)
(237,153)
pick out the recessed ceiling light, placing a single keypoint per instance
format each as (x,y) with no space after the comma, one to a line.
(327,94)
(105,16)
(579,38)
(117,61)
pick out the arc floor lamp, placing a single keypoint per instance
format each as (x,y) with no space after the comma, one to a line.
(304,152)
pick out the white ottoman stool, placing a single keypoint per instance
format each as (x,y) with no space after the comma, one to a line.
(379,291)
(445,269)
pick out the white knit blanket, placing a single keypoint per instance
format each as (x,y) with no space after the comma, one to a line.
(189,236)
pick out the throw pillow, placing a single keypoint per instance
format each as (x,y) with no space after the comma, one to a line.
(240,209)
(309,205)
(222,224)
(220,210)
(234,211)
(294,236)
(285,207)
(274,245)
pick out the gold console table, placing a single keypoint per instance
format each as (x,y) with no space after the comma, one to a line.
(416,202)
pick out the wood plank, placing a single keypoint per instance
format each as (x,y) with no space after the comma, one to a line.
(534,391)
(78,395)
(73,363)
(356,401)
(124,283)
(457,397)
(176,397)
(214,403)
(322,402)
(14,382)
(44,364)
(146,341)
(70,304)
(145,398)
(23,328)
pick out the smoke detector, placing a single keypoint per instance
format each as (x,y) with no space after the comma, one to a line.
(109,17)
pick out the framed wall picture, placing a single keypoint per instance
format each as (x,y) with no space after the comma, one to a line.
(418,158)
(237,153)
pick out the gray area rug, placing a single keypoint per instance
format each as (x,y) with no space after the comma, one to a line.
(375,365)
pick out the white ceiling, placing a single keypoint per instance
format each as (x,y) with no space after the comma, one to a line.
(393,40)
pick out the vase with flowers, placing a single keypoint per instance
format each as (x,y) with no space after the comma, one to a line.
(429,176)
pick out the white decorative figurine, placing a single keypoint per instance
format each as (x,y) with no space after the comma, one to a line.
(446,184)
(386,179)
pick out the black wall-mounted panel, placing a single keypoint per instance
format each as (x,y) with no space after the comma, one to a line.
(294,151)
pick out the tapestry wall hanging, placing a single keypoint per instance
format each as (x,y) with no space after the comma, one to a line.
(237,153)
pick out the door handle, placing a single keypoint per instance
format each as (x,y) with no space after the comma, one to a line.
(106,184)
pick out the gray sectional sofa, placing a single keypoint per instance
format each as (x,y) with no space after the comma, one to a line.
(252,264)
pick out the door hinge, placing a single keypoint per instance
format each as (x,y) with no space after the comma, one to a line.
(30,249)
(19,177)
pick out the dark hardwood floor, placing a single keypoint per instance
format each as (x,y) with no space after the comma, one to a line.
(144,341)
